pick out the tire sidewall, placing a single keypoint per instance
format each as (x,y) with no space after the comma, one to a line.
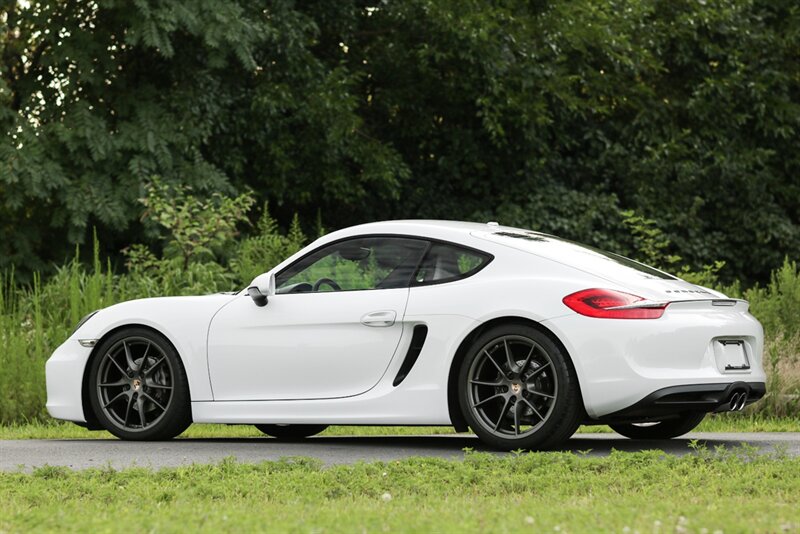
(178,415)
(567,398)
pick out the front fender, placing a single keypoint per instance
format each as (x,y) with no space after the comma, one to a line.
(184,321)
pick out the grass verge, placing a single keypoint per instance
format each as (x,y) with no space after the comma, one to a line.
(62,430)
(555,492)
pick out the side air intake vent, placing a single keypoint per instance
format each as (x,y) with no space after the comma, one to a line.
(417,340)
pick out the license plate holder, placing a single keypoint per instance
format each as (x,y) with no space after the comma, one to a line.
(733,354)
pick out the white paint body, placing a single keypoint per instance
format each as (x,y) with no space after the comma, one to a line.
(308,357)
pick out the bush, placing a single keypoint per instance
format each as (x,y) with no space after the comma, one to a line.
(777,305)
(258,253)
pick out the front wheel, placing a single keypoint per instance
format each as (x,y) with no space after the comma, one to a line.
(667,429)
(518,389)
(291,432)
(138,387)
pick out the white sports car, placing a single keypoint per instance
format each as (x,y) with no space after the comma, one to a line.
(518,335)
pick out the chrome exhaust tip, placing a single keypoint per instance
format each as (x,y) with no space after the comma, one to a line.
(742,402)
(733,404)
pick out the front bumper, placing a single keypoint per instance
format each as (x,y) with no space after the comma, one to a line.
(64,376)
(675,400)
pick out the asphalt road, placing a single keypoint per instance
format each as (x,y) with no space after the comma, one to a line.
(80,454)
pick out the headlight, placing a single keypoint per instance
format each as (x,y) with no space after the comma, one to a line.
(83,321)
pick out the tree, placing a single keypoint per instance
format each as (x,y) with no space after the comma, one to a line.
(97,99)
(556,115)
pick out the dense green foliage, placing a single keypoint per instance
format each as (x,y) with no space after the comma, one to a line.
(560,116)
(544,492)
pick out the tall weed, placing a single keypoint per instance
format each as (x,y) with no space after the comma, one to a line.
(782,364)
(34,320)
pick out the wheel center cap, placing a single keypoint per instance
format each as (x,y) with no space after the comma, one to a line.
(137,384)
(516,388)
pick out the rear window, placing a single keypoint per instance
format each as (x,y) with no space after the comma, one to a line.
(589,258)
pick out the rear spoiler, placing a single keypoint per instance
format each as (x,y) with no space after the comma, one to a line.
(664,303)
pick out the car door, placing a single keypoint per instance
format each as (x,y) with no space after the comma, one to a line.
(330,330)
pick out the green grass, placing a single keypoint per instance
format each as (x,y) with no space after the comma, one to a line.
(61,430)
(537,492)
(744,423)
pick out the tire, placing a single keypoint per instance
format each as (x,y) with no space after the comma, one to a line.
(138,388)
(670,428)
(291,432)
(528,397)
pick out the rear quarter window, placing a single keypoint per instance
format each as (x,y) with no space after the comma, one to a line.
(446,262)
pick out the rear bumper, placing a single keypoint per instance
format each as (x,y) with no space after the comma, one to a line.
(675,400)
(622,362)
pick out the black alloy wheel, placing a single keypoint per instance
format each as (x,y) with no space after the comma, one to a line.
(138,387)
(518,390)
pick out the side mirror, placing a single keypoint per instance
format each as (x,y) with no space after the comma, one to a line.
(261,288)
(258,297)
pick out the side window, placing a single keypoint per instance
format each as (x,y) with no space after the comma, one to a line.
(449,262)
(361,263)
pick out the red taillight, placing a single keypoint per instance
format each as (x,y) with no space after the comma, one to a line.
(610,304)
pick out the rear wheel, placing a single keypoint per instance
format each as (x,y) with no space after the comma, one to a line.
(667,429)
(518,390)
(291,432)
(138,388)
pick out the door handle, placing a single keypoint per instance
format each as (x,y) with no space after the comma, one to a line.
(379,318)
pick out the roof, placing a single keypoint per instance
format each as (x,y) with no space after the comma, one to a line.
(427,227)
